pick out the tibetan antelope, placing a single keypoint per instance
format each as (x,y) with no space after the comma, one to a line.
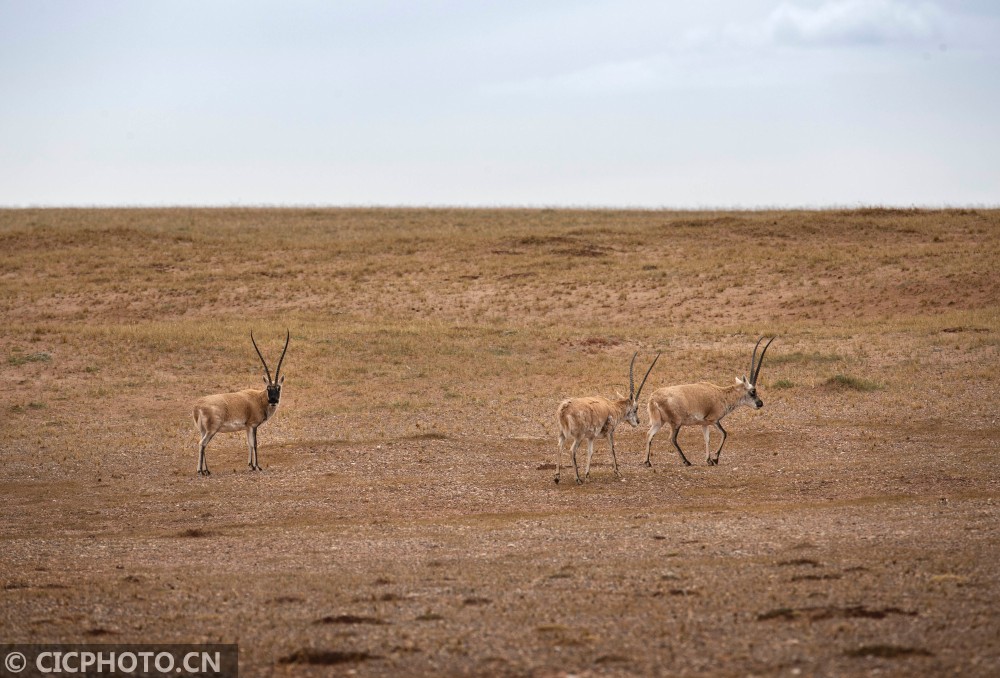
(704,405)
(243,410)
(596,417)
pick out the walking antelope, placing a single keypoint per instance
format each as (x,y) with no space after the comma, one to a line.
(704,405)
(243,410)
(597,417)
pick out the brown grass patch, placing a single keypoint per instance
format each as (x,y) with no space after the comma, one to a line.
(349,619)
(888,651)
(326,657)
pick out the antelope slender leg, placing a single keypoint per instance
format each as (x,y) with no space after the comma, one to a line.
(725,435)
(576,470)
(614,459)
(673,439)
(252,441)
(590,454)
(202,459)
(653,429)
(562,439)
(708,450)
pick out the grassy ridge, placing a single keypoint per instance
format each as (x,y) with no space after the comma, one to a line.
(505,311)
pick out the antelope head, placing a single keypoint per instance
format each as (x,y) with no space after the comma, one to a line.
(750,384)
(273,385)
(631,413)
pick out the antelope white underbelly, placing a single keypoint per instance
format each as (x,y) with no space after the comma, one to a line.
(231,426)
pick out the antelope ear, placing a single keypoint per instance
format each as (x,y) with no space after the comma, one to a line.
(741,381)
(281,380)
(264,377)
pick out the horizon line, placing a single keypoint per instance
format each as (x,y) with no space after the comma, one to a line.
(513,207)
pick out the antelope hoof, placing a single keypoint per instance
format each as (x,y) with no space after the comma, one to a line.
(687,463)
(205,472)
(557,480)
(647,464)
(578,481)
(712,462)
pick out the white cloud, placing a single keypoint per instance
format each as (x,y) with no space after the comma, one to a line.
(742,51)
(853,22)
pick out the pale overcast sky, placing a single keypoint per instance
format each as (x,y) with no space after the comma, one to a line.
(644,103)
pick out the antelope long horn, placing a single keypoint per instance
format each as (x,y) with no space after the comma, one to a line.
(646,377)
(753,359)
(266,370)
(277,372)
(631,381)
(760,360)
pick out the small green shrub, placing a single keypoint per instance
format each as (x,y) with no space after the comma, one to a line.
(800,358)
(846,381)
(29,358)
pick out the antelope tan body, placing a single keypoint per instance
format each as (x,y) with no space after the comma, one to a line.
(702,404)
(243,410)
(229,412)
(596,417)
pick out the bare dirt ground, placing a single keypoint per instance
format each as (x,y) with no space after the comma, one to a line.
(406,521)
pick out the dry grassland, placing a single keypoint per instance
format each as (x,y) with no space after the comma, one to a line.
(406,522)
